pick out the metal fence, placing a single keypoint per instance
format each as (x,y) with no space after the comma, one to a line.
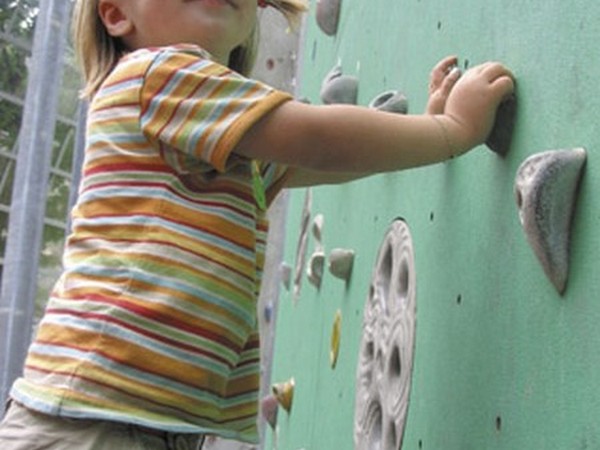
(39,116)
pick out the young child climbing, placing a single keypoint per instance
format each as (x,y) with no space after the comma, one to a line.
(150,339)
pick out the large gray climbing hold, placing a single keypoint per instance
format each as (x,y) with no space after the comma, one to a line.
(328,16)
(385,362)
(339,88)
(546,192)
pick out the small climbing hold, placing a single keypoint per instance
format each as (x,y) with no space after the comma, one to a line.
(317,228)
(390,101)
(500,137)
(302,244)
(339,88)
(285,272)
(284,393)
(546,192)
(315,267)
(328,16)
(268,406)
(341,261)
(336,333)
(268,312)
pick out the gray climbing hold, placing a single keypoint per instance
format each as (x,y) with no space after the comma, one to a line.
(339,88)
(384,371)
(546,192)
(314,268)
(341,261)
(328,16)
(390,101)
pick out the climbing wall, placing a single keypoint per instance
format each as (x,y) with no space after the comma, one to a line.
(470,316)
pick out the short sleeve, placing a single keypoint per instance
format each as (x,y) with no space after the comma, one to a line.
(199,107)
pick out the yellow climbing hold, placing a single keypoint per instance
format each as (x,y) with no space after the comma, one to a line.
(335,338)
(284,393)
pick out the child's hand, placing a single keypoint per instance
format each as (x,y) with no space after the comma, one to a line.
(472,102)
(443,77)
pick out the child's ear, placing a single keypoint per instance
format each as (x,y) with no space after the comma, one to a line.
(115,18)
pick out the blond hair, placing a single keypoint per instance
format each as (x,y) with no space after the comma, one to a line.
(98,52)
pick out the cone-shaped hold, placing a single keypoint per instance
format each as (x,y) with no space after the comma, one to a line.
(314,269)
(336,334)
(546,192)
(268,312)
(341,261)
(284,393)
(269,409)
(390,101)
(328,16)
(317,228)
(285,272)
(339,88)
(500,137)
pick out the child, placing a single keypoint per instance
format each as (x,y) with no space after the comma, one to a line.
(150,336)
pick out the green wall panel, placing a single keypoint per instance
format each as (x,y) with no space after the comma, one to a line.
(502,361)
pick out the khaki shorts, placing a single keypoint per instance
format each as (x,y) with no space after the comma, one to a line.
(23,429)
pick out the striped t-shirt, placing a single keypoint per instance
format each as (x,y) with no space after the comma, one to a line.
(154,321)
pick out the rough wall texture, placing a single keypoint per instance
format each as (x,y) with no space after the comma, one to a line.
(502,361)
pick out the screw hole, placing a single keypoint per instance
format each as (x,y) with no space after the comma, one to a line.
(498,423)
(404,282)
(431,216)
(459,299)
(420,443)
(395,363)
(391,436)
(519,196)
(439,25)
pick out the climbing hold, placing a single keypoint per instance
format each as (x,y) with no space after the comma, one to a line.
(314,268)
(316,263)
(268,406)
(386,351)
(341,261)
(302,244)
(500,137)
(317,228)
(339,88)
(268,312)
(390,101)
(285,273)
(284,393)
(546,192)
(336,332)
(328,16)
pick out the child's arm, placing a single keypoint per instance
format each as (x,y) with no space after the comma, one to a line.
(355,140)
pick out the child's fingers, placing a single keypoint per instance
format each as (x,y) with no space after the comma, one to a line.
(439,72)
(495,70)
(446,64)
(492,70)
(503,86)
(449,81)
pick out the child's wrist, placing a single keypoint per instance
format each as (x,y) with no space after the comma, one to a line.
(453,134)
(450,148)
